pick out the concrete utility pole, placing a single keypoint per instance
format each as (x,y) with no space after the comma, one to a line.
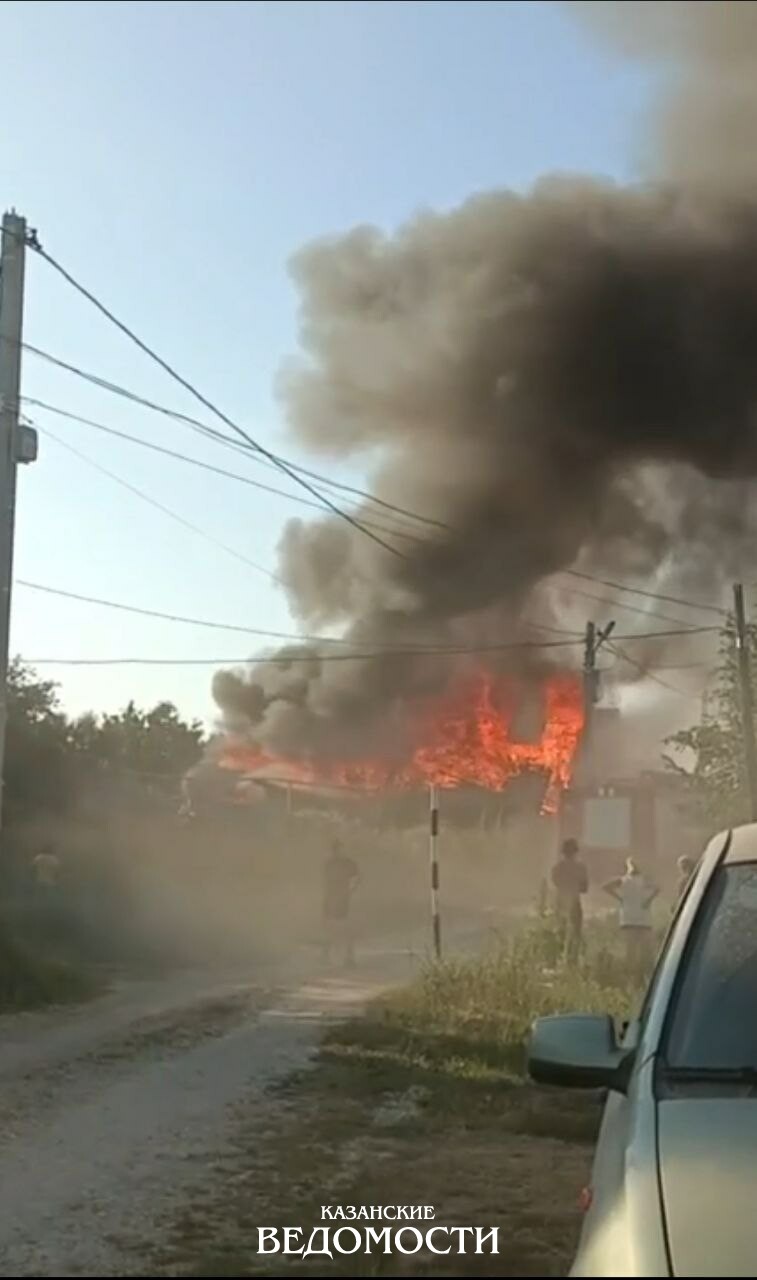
(747,701)
(17,444)
(593,642)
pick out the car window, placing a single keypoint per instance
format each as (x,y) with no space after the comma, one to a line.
(713,1022)
(639,1022)
(631,1030)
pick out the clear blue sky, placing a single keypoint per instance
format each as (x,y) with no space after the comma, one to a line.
(172,156)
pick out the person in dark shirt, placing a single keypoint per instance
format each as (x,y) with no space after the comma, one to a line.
(340,879)
(570,880)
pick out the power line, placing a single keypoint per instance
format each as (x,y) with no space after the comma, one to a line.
(175,617)
(213,408)
(306,639)
(363,494)
(259,632)
(616,586)
(555,631)
(279,462)
(649,674)
(206,466)
(326,657)
(308,502)
(650,595)
(292,497)
(248,661)
(159,506)
(195,424)
(617,604)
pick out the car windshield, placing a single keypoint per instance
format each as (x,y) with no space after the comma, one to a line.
(714,1022)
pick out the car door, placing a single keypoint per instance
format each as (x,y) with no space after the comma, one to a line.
(624,1184)
(622,1232)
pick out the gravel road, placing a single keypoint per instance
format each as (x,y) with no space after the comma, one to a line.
(113,1114)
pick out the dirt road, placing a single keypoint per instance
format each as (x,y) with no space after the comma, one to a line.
(113,1114)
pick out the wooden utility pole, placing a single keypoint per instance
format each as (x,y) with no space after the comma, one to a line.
(747,700)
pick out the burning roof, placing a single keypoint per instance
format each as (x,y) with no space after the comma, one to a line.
(463,739)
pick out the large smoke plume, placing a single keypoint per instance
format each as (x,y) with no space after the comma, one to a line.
(566,376)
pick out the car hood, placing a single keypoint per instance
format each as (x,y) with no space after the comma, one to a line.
(708,1153)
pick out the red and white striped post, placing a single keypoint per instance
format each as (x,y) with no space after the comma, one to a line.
(433,810)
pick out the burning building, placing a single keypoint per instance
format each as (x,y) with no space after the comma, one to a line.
(534,382)
(465,738)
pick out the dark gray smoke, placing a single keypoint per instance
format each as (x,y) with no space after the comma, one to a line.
(564,376)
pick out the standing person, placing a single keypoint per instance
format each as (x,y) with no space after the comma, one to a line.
(685,870)
(570,880)
(46,866)
(635,895)
(340,879)
(45,870)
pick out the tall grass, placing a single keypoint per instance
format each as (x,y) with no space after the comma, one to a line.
(492,1000)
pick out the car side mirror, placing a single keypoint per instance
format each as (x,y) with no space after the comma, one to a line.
(578,1051)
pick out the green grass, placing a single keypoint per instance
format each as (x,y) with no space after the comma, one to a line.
(473,1016)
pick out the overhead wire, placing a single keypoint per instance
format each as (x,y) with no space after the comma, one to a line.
(614,603)
(196,424)
(649,595)
(188,386)
(218,437)
(293,471)
(198,462)
(649,674)
(309,502)
(258,632)
(160,506)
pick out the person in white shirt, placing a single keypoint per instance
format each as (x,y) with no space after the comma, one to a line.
(46,868)
(635,895)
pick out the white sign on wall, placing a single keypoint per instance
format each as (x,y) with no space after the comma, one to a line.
(607,822)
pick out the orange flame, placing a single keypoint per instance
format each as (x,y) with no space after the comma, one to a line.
(466,740)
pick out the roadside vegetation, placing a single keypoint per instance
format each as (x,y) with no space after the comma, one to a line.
(68,784)
(30,976)
(424,1100)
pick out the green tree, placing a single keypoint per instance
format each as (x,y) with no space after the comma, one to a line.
(38,765)
(709,756)
(49,756)
(155,744)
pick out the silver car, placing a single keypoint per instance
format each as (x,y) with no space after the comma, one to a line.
(674,1181)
